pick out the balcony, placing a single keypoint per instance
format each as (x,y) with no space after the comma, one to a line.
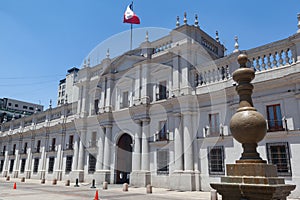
(11,153)
(92,144)
(36,150)
(162,95)
(23,151)
(52,148)
(212,131)
(2,153)
(69,146)
(161,136)
(276,125)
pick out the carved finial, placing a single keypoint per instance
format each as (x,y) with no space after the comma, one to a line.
(88,62)
(50,104)
(242,60)
(84,63)
(217,36)
(107,53)
(236,45)
(196,21)
(177,22)
(184,19)
(147,37)
(298,23)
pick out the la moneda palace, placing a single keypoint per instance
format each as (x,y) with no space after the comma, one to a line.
(159,114)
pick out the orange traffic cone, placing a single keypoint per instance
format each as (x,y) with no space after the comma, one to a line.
(96,196)
(15,186)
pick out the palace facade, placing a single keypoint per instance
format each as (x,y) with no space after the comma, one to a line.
(159,115)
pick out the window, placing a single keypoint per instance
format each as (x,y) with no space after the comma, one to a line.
(11,167)
(92,164)
(52,147)
(36,165)
(9,104)
(196,79)
(214,123)
(216,160)
(51,164)
(4,149)
(38,146)
(162,133)
(279,155)
(1,165)
(70,144)
(125,102)
(25,148)
(30,108)
(69,161)
(16,105)
(96,106)
(14,149)
(25,107)
(162,90)
(274,118)
(162,162)
(93,141)
(23,162)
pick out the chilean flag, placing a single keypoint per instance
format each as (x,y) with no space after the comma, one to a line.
(130,17)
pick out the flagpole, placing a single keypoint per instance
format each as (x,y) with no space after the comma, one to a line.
(130,36)
(131,27)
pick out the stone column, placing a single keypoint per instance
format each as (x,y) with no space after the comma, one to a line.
(145,145)
(176,75)
(178,147)
(29,160)
(99,164)
(136,155)
(76,152)
(81,151)
(188,142)
(107,147)
(108,94)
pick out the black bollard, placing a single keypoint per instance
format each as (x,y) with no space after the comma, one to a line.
(76,183)
(93,184)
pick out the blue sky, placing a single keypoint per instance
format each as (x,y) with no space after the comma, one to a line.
(41,39)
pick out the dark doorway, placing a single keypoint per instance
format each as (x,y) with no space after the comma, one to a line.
(124,159)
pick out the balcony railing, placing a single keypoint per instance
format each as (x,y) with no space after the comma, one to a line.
(23,151)
(276,125)
(161,136)
(52,148)
(11,153)
(92,144)
(69,147)
(162,95)
(36,150)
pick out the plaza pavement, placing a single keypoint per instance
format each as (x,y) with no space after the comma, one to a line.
(34,190)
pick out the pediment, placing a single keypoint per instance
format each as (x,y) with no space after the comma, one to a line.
(123,62)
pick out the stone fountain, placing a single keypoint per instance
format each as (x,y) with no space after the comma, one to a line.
(250,178)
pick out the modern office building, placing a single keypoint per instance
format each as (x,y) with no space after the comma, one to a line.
(14,109)
(159,114)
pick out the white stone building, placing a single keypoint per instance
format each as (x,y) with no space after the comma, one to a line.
(159,115)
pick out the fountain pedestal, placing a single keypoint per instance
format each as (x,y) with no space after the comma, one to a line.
(251,178)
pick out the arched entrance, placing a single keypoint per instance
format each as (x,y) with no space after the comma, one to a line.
(124,159)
